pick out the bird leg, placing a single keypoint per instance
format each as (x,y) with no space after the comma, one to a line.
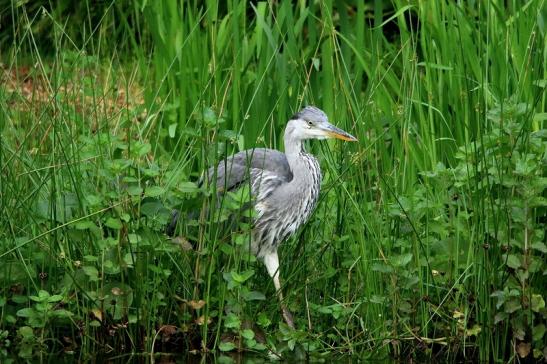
(271,261)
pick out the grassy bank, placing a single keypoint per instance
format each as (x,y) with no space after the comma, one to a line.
(429,238)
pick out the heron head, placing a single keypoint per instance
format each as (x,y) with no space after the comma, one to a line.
(313,123)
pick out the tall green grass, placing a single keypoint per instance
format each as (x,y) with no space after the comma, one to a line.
(428,241)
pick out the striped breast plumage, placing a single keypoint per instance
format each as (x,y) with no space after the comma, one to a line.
(283,206)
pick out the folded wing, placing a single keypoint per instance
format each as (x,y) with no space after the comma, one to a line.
(254,164)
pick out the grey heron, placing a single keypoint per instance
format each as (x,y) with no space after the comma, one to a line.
(284,186)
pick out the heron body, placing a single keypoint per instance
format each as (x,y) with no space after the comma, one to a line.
(283,205)
(284,186)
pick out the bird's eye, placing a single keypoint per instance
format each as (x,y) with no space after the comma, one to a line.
(310,123)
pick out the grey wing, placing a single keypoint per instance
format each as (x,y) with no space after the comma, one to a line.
(237,169)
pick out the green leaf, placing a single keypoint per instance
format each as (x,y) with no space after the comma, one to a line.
(93,200)
(514,292)
(513,261)
(153,171)
(26,312)
(226,248)
(526,165)
(250,343)
(226,346)
(134,238)
(154,191)
(113,223)
(411,281)
(26,332)
(241,278)
(248,334)
(10,319)
(209,116)
(262,347)
(539,246)
(538,331)
(316,63)
(401,260)
(91,258)
(377,299)
(535,264)
(84,225)
(500,316)
(134,190)
(172,129)
(91,272)
(231,321)
(291,343)
(187,187)
(382,268)
(263,320)
(253,296)
(224,359)
(20,299)
(62,313)
(151,209)
(142,148)
(512,305)
(55,298)
(25,352)
(42,307)
(129,259)
(474,331)
(537,303)
(42,296)
(325,309)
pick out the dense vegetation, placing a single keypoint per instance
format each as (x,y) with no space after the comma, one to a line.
(429,239)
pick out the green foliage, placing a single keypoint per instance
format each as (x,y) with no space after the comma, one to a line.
(429,239)
(121,21)
(500,188)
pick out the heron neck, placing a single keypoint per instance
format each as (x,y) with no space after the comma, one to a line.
(295,152)
(293,146)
